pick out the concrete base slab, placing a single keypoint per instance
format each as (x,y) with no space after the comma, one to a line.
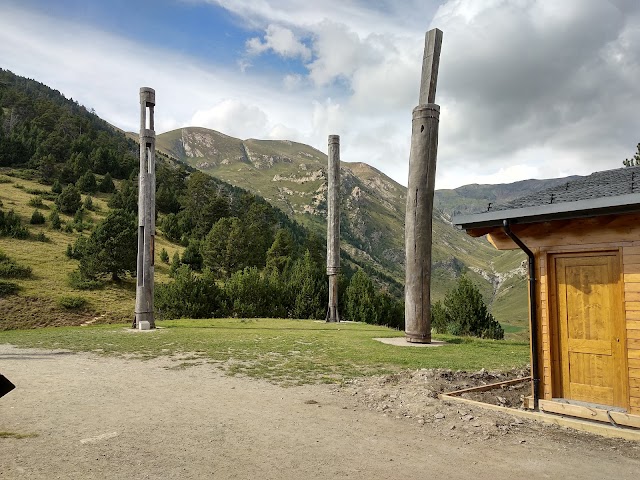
(144,325)
(138,330)
(402,342)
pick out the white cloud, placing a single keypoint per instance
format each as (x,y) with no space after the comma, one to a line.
(338,52)
(280,40)
(526,88)
(233,117)
(292,81)
(516,76)
(105,72)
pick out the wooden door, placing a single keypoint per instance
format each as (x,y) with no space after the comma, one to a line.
(591,329)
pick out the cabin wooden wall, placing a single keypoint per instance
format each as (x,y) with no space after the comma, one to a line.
(631,272)
(598,234)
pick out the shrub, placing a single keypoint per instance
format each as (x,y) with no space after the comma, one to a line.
(88,203)
(249,294)
(69,200)
(190,295)
(10,269)
(11,225)
(164,256)
(54,218)
(79,215)
(77,281)
(464,313)
(36,202)
(8,288)
(72,302)
(41,237)
(56,187)
(36,218)
(76,251)
(43,194)
(175,264)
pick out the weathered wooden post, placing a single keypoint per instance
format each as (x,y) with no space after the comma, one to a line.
(422,174)
(146,212)
(333,226)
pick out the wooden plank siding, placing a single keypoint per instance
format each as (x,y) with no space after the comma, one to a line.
(610,233)
(631,269)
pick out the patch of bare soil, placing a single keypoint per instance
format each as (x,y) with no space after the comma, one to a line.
(414,396)
(86,416)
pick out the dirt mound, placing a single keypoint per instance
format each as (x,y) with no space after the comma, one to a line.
(413,396)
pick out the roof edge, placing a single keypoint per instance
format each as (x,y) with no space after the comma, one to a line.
(553,211)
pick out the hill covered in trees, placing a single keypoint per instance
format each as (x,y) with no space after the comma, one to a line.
(233,253)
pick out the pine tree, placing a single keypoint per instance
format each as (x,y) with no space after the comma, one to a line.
(69,199)
(633,161)
(54,218)
(464,313)
(112,247)
(360,301)
(106,185)
(281,250)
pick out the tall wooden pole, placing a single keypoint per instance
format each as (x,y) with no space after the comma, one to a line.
(333,226)
(420,190)
(146,211)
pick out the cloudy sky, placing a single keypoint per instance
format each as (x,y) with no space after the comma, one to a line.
(527,88)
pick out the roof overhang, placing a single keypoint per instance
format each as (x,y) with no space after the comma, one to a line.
(592,207)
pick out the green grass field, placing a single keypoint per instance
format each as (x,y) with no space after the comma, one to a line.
(283,351)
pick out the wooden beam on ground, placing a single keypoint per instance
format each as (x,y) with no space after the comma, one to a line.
(491,386)
(580,411)
(605,430)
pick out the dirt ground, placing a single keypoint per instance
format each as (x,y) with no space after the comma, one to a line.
(87,416)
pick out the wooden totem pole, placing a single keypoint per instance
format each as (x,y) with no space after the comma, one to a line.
(333,226)
(422,174)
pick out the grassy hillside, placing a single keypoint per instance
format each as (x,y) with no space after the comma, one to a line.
(38,302)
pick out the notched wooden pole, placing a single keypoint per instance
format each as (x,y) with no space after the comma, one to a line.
(144,318)
(420,190)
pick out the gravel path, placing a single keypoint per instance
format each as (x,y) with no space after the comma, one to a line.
(112,418)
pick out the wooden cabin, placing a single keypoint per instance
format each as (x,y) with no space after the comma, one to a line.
(583,242)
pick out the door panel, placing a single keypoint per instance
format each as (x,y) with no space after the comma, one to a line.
(590,329)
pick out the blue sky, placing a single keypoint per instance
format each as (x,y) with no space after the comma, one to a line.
(527,88)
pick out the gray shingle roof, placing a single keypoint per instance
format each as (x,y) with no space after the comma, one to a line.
(610,191)
(609,183)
